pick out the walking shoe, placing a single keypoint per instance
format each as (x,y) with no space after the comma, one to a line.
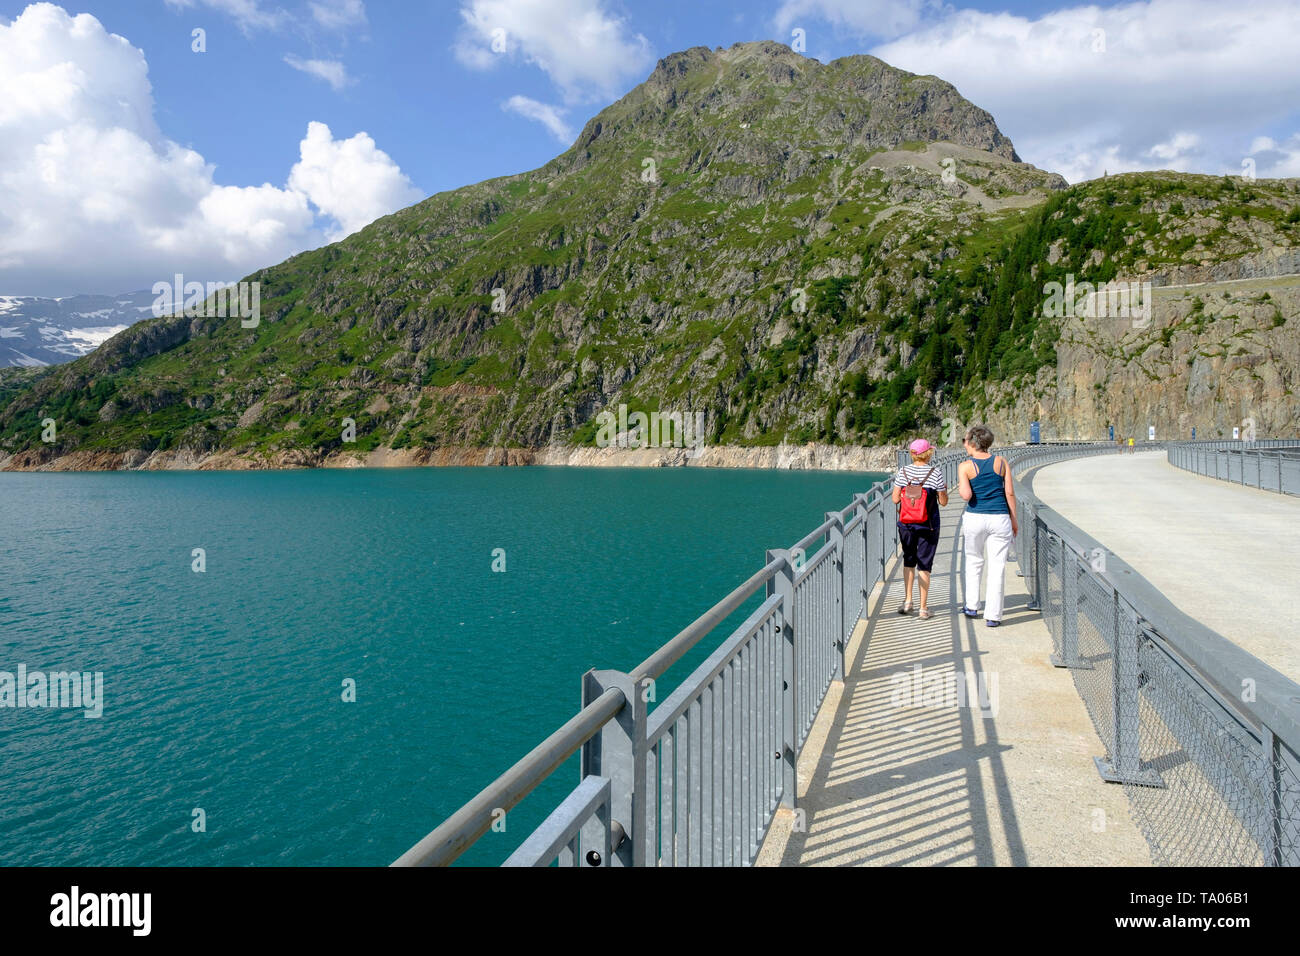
(993,623)
(969,613)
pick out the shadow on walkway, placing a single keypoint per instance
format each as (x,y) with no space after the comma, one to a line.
(901,784)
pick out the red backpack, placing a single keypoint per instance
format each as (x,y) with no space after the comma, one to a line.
(913,505)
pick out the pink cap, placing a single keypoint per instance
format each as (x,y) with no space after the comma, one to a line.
(919,447)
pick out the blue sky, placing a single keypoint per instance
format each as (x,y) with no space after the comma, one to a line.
(124,160)
(441,121)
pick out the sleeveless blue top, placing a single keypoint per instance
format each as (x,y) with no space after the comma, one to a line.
(988,491)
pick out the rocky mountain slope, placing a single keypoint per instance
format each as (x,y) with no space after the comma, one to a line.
(842,253)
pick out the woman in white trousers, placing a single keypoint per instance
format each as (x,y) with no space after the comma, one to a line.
(989,522)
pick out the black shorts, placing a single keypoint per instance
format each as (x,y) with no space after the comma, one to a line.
(919,546)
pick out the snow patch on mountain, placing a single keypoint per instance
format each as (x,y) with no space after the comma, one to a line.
(40,331)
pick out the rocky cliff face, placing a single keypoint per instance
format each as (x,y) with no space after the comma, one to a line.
(1214,356)
(1220,345)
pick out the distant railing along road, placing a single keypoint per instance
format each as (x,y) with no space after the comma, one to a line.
(1272,465)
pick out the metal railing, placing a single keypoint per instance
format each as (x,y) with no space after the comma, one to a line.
(1203,735)
(1272,465)
(698,779)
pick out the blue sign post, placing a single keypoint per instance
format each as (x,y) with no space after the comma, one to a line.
(1034,433)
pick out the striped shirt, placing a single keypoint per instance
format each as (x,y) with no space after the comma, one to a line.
(915,474)
(912,475)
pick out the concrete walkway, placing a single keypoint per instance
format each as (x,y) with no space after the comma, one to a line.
(1228,556)
(897,772)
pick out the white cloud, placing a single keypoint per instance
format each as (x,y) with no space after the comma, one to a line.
(588,52)
(331,71)
(249,14)
(1079,102)
(1274,159)
(338,14)
(351,180)
(1179,148)
(241,219)
(1089,162)
(544,113)
(870,18)
(93,197)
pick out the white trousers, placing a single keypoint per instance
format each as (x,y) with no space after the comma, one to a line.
(993,531)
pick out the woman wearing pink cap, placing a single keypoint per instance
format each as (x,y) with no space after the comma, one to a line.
(920,541)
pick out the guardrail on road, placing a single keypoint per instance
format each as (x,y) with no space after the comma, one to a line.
(1272,465)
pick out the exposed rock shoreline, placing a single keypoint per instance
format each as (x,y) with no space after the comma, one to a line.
(810,457)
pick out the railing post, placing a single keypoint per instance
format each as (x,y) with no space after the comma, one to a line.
(1069,606)
(1125,764)
(1282,806)
(619,753)
(835,537)
(1020,548)
(868,574)
(1270,842)
(1071,569)
(1034,579)
(879,532)
(885,555)
(782,583)
(867,581)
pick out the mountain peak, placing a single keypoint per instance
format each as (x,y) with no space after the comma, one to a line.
(854,101)
(682,62)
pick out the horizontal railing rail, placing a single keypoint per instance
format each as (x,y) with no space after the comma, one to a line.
(1271,465)
(471,821)
(1239,444)
(556,840)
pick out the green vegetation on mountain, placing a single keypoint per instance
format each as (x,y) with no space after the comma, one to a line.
(843,252)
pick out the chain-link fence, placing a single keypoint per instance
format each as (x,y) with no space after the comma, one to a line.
(1207,752)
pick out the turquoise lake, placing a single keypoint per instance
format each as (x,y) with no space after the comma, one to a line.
(223,690)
